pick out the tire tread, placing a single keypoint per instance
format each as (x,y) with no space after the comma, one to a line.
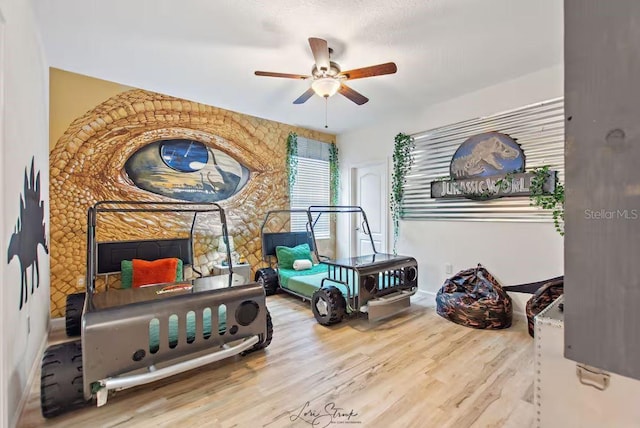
(267,340)
(335,301)
(73,314)
(269,279)
(61,379)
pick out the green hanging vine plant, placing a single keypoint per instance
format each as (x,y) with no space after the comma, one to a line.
(553,201)
(292,158)
(538,196)
(334,174)
(402,162)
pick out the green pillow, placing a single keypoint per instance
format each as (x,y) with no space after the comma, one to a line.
(126,273)
(286,255)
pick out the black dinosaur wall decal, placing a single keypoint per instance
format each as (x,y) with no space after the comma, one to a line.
(29,233)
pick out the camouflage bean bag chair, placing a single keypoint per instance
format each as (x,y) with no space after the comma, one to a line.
(542,298)
(474,298)
(544,293)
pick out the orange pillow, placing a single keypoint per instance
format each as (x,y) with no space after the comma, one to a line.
(158,271)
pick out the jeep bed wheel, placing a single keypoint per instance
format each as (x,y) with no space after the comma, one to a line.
(268,279)
(328,305)
(266,341)
(61,382)
(73,314)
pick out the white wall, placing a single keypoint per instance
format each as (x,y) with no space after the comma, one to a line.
(25,134)
(513,252)
(3,383)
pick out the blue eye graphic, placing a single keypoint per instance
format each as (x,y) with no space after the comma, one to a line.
(184,155)
(187,170)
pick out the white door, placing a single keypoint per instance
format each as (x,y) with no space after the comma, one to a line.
(370,192)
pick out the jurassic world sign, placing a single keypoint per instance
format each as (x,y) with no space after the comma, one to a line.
(487,166)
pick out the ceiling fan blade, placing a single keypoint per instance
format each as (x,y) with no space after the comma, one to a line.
(354,96)
(304,97)
(374,70)
(285,75)
(320,50)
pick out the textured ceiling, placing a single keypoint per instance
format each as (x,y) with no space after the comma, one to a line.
(207,50)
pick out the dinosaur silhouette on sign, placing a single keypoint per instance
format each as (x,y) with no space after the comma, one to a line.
(29,233)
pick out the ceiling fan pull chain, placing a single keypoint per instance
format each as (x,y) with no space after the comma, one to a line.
(326,108)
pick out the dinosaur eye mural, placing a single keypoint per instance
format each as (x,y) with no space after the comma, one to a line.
(187,170)
(184,155)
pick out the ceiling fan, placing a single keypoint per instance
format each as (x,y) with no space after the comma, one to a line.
(328,79)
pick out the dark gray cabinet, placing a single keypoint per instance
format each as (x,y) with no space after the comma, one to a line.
(602,149)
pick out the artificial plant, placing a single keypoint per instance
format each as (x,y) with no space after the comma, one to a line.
(334,174)
(553,201)
(538,196)
(292,158)
(402,162)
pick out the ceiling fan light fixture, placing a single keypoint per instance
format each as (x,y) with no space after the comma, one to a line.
(327,77)
(325,86)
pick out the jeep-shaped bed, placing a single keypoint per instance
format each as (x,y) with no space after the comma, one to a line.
(379,285)
(134,336)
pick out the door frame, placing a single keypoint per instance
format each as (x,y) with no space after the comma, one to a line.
(4,415)
(353,186)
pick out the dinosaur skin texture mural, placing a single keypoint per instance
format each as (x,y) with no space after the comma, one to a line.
(144,146)
(29,233)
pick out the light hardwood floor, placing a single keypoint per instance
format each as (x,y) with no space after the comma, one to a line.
(414,370)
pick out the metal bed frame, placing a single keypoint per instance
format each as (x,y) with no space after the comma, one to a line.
(378,284)
(116,327)
(96,265)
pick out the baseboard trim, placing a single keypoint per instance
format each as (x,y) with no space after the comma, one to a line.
(520,315)
(32,376)
(426,294)
(57,324)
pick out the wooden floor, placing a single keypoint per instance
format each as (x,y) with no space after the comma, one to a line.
(415,370)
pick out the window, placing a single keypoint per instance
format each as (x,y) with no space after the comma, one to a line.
(311,186)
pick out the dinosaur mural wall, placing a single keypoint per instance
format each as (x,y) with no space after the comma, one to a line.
(29,233)
(141,145)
